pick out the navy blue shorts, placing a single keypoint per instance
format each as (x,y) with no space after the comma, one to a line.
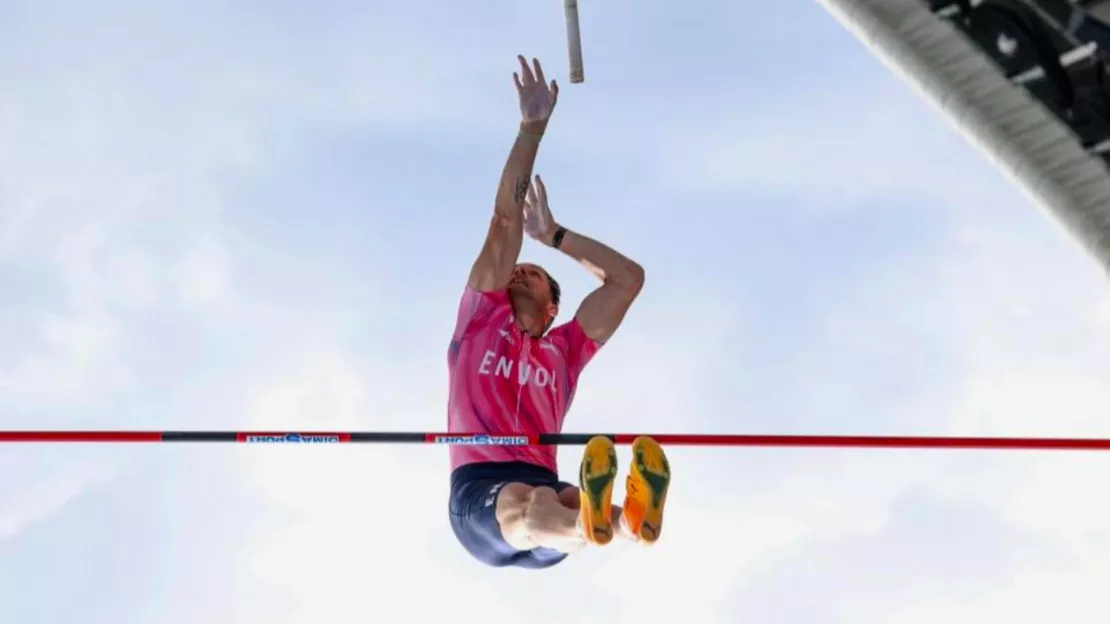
(473,511)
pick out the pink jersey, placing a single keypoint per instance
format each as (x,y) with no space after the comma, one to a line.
(503,380)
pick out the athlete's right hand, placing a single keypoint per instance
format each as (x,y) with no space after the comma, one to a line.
(537,98)
(538,222)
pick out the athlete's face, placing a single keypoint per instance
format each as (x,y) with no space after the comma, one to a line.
(532,280)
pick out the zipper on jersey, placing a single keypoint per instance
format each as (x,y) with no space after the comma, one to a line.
(522,360)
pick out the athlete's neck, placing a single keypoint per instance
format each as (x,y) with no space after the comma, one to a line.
(528,318)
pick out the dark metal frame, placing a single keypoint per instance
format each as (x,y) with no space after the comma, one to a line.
(1056,50)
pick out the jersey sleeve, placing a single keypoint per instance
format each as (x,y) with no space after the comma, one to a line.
(476,306)
(576,346)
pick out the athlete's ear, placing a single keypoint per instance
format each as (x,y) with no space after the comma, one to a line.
(552,310)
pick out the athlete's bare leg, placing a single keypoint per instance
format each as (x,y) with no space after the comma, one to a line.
(535,516)
(538,516)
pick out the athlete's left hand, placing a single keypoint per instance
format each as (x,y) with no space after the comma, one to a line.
(538,222)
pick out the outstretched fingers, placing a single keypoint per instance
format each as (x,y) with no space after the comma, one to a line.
(539,70)
(527,77)
(531,199)
(540,190)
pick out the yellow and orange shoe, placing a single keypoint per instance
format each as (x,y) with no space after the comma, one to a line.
(596,476)
(646,491)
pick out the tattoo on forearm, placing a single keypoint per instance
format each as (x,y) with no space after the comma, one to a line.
(521,190)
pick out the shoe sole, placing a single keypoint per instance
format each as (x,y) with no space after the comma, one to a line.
(652,471)
(596,476)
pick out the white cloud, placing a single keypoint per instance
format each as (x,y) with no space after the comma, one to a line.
(698,564)
(203,272)
(834,147)
(34,487)
(77,361)
(1029,596)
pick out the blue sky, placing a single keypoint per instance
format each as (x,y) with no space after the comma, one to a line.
(260,215)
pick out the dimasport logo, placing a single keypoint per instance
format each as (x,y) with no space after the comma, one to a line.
(293,438)
(483,440)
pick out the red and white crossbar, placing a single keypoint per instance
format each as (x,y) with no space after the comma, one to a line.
(531,439)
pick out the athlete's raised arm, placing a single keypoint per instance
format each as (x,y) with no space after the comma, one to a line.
(602,310)
(494,266)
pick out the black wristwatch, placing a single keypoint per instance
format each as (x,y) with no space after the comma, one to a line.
(558,238)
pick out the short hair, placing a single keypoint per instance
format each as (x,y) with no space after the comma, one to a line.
(556,290)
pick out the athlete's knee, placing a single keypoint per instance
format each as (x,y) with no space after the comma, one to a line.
(521,513)
(536,511)
(548,522)
(513,501)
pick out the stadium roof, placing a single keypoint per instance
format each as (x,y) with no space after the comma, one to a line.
(1025,81)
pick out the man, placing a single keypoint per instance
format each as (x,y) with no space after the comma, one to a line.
(508,374)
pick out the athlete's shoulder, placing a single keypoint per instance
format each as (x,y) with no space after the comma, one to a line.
(496,296)
(479,308)
(489,301)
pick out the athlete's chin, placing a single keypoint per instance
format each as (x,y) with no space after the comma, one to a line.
(520,290)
